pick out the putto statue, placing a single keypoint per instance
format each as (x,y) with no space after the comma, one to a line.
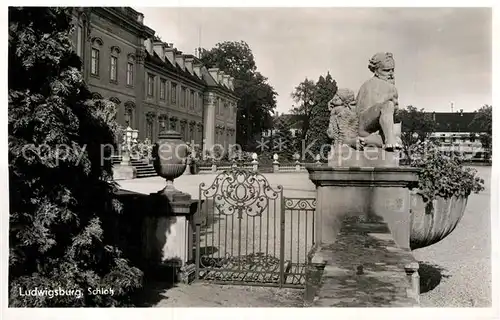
(368,119)
(343,128)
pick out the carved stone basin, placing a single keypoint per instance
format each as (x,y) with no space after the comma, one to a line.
(433,221)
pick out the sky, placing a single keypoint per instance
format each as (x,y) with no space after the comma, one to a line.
(443,55)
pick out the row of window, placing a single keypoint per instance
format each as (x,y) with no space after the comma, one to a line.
(187,133)
(169,91)
(113,67)
(454,139)
(222,108)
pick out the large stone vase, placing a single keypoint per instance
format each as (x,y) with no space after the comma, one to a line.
(434,220)
(170,154)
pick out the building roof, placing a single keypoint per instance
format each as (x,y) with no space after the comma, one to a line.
(206,80)
(210,81)
(155,59)
(455,122)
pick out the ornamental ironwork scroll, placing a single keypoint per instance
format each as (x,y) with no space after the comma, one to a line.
(239,191)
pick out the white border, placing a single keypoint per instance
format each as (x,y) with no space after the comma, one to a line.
(215,313)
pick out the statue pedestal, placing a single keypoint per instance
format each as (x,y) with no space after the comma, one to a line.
(345,156)
(380,193)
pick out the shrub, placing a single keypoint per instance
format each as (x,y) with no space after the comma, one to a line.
(142,150)
(442,175)
(62,199)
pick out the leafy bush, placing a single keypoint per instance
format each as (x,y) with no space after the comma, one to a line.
(142,150)
(63,208)
(443,175)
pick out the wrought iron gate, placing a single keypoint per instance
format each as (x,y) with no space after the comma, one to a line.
(250,233)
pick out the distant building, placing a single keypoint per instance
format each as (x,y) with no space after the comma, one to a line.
(154,85)
(454,132)
(292,121)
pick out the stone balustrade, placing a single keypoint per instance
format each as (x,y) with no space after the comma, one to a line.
(255,165)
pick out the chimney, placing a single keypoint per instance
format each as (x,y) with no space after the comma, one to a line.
(197,69)
(140,18)
(179,58)
(221,78)
(159,48)
(189,63)
(231,83)
(225,80)
(149,45)
(169,54)
(434,115)
(214,72)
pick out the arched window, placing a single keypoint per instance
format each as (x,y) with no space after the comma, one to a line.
(183,129)
(130,69)
(115,100)
(113,64)
(96,96)
(173,123)
(191,132)
(97,43)
(150,116)
(129,114)
(162,122)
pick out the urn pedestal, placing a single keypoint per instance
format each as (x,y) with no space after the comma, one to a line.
(170,230)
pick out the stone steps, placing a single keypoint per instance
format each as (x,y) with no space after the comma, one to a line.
(144,169)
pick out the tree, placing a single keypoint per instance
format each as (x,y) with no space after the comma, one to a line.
(417,125)
(284,143)
(483,119)
(257,97)
(303,95)
(62,199)
(317,137)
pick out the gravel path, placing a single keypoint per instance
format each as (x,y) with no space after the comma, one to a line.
(209,295)
(456,272)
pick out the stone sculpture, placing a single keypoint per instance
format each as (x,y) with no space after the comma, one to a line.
(343,127)
(368,120)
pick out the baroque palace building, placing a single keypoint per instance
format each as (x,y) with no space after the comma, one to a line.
(154,85)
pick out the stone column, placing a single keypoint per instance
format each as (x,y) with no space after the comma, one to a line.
(139,88)
(209,124)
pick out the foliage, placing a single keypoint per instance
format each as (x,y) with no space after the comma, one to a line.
(317,137)
(63,208)
(142,149)
(483,119)
(441,175)
(284,144)
(257,97)
(303,95)
(416,126)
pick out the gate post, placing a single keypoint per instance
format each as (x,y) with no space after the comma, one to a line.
(276,164)
(255,163)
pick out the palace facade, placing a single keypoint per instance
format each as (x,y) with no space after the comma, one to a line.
(154,85)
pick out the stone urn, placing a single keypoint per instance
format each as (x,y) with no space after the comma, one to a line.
(170,154)
(434,220)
